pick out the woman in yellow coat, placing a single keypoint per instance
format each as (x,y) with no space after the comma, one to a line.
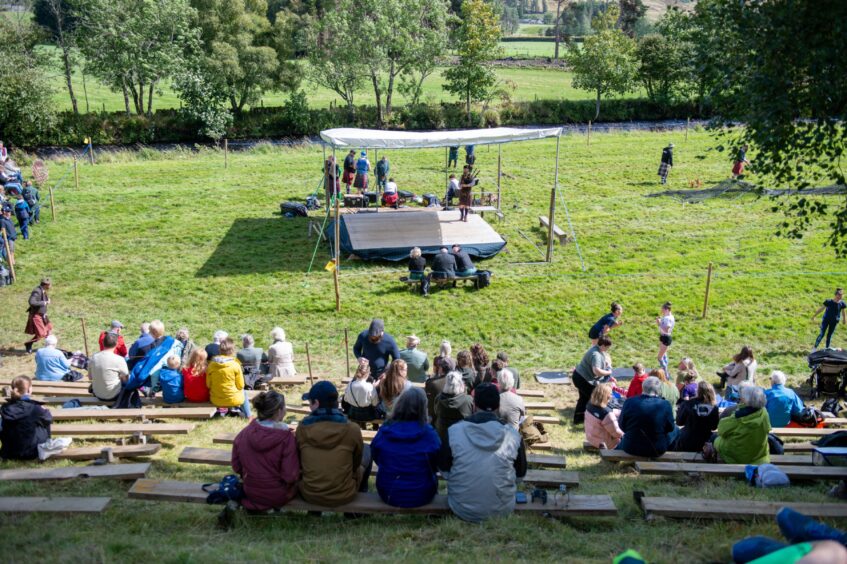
(226,380)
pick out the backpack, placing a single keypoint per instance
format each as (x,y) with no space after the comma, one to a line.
(293,209)
(28,196)
(483,279)
(766,476)
(532,432)
(430,200)
(832,405)
(229,488)
(312,203)
(809,417)
(836,439)
(775,444)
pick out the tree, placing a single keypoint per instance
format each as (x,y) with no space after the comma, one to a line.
(204,100)
(607,63)
(244,51)
(478,43)
(557,30)
(667,59)
(57,18)
(630,12)
(783,74)
(132,45)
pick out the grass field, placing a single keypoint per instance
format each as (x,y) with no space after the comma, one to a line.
(178,237)
(530,49)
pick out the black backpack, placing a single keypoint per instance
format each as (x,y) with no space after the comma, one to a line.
(28,196)
(293,209)
(483,278)
(832,405)
(837,439)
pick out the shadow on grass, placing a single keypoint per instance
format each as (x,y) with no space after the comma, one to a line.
(262,245)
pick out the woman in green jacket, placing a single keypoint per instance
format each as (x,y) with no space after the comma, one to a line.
(743,436)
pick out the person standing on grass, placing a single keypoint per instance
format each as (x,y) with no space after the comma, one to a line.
(666,323)
(383,167)
(465,193)
(31,197)
(834,311)
(363,167)
(453,157)
(330,167)
(470,156)
(11,234)
(349,169)
(38,324)
(739,164)
(377,346)
(22,213)
(115,328)
(666,164)
(606,323)
(593,367)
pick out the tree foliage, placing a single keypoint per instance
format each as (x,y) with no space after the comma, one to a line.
(667,59)
(478,39)
(203,100)
(57,18)
(630,12)
(783,73)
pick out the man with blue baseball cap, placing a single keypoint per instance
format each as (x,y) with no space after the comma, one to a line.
(335,463)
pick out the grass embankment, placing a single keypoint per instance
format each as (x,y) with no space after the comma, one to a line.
(178,237)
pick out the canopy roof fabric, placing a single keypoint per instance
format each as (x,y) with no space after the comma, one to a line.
(378,139)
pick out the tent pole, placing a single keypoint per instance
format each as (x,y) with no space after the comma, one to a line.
(337,242)
(553,206)
(326,172)
(499,172)
(446,169)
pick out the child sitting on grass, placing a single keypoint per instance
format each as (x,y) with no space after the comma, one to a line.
(170,380)
(25,423)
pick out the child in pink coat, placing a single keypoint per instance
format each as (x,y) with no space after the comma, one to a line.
(601,423)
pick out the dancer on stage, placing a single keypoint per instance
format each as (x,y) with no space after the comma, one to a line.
(465,195)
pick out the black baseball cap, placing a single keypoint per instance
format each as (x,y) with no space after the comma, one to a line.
(323,392)
(486,397)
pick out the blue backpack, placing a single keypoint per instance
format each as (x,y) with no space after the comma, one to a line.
(229,488)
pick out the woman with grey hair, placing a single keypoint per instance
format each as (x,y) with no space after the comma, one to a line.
(253,360)
(444,363)
(280,356)
(452,405)
(512,408)
(743,437)
(188,346)
(647,422)
(405,449)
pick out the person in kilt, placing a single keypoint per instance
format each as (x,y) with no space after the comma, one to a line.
(37,323)
(349,169)
(667,163)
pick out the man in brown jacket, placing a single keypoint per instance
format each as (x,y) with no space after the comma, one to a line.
(37,323)
(334,461)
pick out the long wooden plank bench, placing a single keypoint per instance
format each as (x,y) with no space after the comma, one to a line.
(732,509)
(558,233)
(802,432)
(523,392)
(95,452)
(620,456)
(36,384)
(113,471)
(53,504)
(120,429)
(288,380)
(221,457)
(577,505)
(798,447)
(737,470)
(144,413)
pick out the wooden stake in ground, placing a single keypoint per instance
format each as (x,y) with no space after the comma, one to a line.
(309,363)
(10,257)
(337,255)
(226,153)
(76,175)
(687,124)
(347,351)
(589,132)
(84,336)
(52,205)
(708,287)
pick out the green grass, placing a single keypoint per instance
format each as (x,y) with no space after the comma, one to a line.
(178,237)
(530,49)
(532,29)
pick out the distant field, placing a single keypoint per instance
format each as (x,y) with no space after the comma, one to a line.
(530,49)
(532,29)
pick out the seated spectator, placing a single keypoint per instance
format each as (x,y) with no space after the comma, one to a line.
(512,408)
(452,405)
(335,463)
(361,396)
(389,196)
(464,265)
(265,455)
(601,423)
(107,369)
(782,403)
(194,377)
(697,419)
(280,356)
(481,461)
(743,437)
(226,381)
(170,380)
(435,384)
(252,359)
(417,264)
(647,422)
(51,364)
(689,387)
(144,376)
(377,346)
(686,367)
(491,373)
(24,423)
(188,346)
(669,391)
(444,264)
(11,233)
(213,349)
(140,347)
(504,358)
(445,354)
(640,375)
(480,363)
(417,364)
(406,449)
(391,385)
(22,213)
(115,328)
(741,369)
(809,542)
(464,365)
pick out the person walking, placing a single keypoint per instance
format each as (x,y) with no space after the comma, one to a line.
(465,194)
(834,310)
(606,323)
(667,163)
(739,164)
(332,179)
(453,157)
(666,323)
(38,324)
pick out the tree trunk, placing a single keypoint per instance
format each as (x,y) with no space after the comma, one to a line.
(126,96)
(597,113)
(378,97)
(85,91)
(150,100)
(233,103)
(468,104)
(133,89)
(66,60)
(390,91)
(558,27)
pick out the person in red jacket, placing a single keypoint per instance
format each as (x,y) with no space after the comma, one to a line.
(635,386)
(116,328)
(265,455)
(194,377)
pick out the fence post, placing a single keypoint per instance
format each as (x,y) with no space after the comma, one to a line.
(226,153)
(687,124)
(589,132)
(309,363)
(84,337)
(708,287)
(52,204)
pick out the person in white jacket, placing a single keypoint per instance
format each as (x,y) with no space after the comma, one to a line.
(742,368)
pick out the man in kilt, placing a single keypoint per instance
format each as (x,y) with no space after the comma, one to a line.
(37,323)
(349,169)
(667,163)
(363,167)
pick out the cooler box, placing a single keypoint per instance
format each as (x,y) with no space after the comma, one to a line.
(829,456)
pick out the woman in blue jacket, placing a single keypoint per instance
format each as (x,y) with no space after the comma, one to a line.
(405,450)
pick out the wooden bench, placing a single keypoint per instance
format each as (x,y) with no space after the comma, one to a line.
(732,509)
(487,208)
(82,384)
(610,455)
(523,392)
(288,380)
(53,504)
(113,471)
(798,447)
(575,505)
(148,413)
(120,429)
(95,452)
(802,432)
(544,222)
(441,282)
(737,470)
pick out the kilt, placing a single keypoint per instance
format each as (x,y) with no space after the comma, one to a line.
(465,197)
(361,181)
(38,326)
(738,168)
(389,199)
(663,170)
(347,177)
